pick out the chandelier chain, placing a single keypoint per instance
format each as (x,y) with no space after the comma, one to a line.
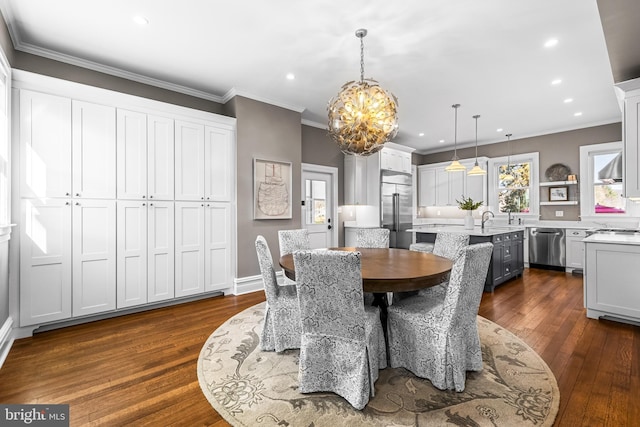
(361,58)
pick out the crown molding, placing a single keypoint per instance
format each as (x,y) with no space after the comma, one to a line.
(315,124)
(233,92)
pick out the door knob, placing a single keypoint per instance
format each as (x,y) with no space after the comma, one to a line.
(329,227)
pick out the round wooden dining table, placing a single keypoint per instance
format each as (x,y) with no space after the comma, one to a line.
(391,270)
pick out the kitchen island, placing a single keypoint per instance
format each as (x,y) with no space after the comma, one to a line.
(611,285)
(507,261)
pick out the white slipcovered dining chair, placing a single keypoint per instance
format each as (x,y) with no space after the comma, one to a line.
(438,338)
(293,240)
(448,245)
(343,344)
(372,238)
(281,329)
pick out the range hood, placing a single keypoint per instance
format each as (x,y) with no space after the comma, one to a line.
(612,171)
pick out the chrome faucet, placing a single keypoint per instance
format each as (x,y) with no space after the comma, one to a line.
(485,219)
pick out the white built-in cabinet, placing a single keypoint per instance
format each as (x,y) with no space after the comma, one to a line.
(145,252)
(202,247)
(574,248)
(145,156)
(45,260)
(355,180)
(629,95)
(395,160)
(437,187)
(94,256)
(124,202)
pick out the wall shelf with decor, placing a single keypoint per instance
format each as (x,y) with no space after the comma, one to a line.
(557,183)
(565,202)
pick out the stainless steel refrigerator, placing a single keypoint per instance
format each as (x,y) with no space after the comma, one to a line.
(396,210)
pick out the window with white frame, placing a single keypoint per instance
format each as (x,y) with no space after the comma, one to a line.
(601,181)
(512,183)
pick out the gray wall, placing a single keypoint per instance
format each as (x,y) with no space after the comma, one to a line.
(270,133)
(562,147)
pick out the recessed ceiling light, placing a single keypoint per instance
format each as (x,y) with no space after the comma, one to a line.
(291,76)
(568,100)
(140,20)
(579,113)
(556,82)
(499,130)
(551,43)
(441,141)
(421,134)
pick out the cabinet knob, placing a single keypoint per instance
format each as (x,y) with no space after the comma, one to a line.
(77,194)
(67,194)
(151,197)
(67,203)
(201,198)
(143,196)
(150,204)
(77,203)
(144,204)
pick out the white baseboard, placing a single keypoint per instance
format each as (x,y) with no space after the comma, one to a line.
(245,285)
(6,339)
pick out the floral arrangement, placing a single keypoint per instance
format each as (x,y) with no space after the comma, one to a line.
(468,204)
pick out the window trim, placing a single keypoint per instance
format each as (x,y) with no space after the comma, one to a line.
(587,173)
(492,181)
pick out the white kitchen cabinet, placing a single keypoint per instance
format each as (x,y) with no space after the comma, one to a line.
(100,231)
(202,247)
(203,162)
(190,248)
(45,145)
(145,156)
(395,160)
(93,256)
(629,95)
(426,186)
(574,248)
(145,252)
(93,150)
(189,161)
(160,158)
(218,150)
(45,261)
(437,187)
(217,228)
(355,180)
(611,287)
(161,251)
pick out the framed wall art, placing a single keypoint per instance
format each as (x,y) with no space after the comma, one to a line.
(271,189)
(557,194)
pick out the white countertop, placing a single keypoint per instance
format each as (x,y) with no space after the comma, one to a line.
(622,239)
(476,231)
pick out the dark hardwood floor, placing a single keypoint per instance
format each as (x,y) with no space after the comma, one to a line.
(140,369)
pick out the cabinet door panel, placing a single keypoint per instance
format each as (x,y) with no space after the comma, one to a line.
(94,150)
(132,155)
(45,145)
(190,248)
(45,261)
(189,161)
(161,265)
(218,164)
(132,254)
(161,160)
(94,256)
(442,187)
(218,259)
(427,187)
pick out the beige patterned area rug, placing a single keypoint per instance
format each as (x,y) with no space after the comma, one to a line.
(249,387)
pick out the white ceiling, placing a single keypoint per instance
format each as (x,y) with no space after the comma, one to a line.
(488,56)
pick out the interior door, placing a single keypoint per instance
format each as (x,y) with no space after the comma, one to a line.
(318,208)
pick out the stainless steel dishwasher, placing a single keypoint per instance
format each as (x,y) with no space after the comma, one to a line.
(547,248)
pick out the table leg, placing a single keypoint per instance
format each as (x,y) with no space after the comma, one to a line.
(380,300)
